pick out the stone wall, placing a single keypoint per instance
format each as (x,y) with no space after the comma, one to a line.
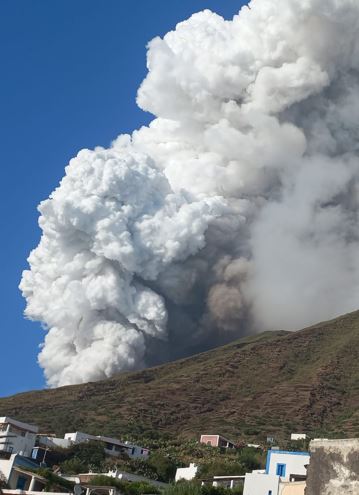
(333,468)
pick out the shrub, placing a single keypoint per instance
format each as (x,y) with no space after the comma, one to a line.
(126,487)
(84,457)
(221,468)
(250,459)
(163,466)
(194,488)
(73,466)
(183,488)
(53,482)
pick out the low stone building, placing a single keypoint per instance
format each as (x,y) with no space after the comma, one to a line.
(217,441)
(334,467)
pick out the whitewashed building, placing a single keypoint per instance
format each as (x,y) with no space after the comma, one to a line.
(113,446)
(187,473)
(19,475)
(298,436)
(85,478)
(17,437)
(282,466)
(228,481)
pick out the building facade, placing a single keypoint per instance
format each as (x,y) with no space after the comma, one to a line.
(113,446)
(217,441)
(188,473)
(17,471)
(298,436)
(281,467)
(17,437)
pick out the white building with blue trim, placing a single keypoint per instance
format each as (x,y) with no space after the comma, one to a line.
(282,466)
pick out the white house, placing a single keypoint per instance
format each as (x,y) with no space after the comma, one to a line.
(113,446)
(187,473)
(125,476)
(282,466)
(85,478)
(298,436)
(52,442)
(18,473)
(17,437)
(227,481)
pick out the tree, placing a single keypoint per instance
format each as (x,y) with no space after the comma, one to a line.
(86,456)
(163,465)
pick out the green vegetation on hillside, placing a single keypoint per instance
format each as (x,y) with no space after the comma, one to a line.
(53,482)
(125,487)
(270,384)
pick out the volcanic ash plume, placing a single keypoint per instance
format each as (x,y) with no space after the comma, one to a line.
(236,210)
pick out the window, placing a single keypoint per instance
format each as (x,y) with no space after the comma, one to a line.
(280,470)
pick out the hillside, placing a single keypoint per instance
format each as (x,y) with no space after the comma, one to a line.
(273,383)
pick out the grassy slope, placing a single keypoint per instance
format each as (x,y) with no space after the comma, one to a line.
(274,383)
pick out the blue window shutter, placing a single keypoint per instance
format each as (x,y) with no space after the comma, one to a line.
(281,470)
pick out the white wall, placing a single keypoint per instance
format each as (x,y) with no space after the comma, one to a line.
(187,473)
(78,437)
(54,442)
(6,466)
(18,444)
(298,436)
(139,452)
(295,463)
(5,491)
(260,484)
(123,475)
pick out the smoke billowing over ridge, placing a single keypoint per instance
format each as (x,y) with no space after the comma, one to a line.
(235,211)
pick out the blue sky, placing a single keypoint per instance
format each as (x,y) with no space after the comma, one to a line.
(70,72)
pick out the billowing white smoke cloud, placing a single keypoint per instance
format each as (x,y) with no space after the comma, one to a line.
(236,210)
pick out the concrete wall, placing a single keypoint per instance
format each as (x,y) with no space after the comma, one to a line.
(334,467)
(260,484)
(294,488)
(79,437)
(187,473)
(17,441)
(55,442)
(210,440)
(6,466)
(298,436)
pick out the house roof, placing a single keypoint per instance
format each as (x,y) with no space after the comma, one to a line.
(19,424)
